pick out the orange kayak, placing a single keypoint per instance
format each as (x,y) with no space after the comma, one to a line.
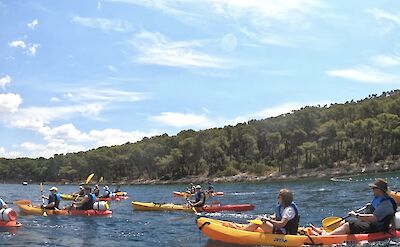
(13,223)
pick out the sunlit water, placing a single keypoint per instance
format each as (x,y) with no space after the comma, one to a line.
(316,199)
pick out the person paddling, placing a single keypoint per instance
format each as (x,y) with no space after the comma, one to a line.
(96,190)
(377,216)
(284,221)
(53,199)
(107,192)
(118,189)
(87,202)
(3,204)
(210,188)
(200,198)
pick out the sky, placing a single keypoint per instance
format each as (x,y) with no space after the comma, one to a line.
(77,75)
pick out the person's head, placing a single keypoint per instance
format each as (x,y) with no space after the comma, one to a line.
(81,187)
(198,187)
(285,197)
(379,187)
(53,190)
(97,187)
(88,189)
(106,187)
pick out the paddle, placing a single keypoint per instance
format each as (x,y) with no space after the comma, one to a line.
(100,180)
(257,221)
(41,193)
(21,202)
(190,204)
(331,223)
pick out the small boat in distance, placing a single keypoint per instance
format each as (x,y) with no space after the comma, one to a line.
(341,179)
(25,183)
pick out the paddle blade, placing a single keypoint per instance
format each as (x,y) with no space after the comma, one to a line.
(101,179)
(23,202)
(89,178)
(331,223)
(256,221)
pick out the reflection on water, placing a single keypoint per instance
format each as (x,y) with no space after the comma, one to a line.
(317,199)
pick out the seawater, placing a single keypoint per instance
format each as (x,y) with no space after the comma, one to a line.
(316,198)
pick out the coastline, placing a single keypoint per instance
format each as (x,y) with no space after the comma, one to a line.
(341,170)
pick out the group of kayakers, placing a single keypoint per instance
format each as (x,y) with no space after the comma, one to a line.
(376,217)
(84,200)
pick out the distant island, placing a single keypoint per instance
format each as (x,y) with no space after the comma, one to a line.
(315,141)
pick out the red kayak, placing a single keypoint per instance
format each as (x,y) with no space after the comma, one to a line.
(117,198)
(218,208)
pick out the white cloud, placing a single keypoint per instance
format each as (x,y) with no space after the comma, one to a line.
(30,49)
(154,48)
(365,74)
(5,154)
(181,120)
(103,95)
(34,150)
(54,99)
(4,81)
(33,24)
(104,24)
(387,60)
(380,14)
(9,102)
(17,43)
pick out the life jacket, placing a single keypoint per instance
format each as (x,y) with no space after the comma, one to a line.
(56,198)
(293,224)
(198,198)
(89,204)
(375,203)
(2,203)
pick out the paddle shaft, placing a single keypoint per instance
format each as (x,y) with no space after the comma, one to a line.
(41,193)
(347,216)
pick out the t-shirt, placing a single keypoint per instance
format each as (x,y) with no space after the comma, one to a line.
(287,213)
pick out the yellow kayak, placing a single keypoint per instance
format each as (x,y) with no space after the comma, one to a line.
(36,210)
(151,206)
(227,232)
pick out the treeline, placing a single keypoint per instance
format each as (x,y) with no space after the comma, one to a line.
(357,131)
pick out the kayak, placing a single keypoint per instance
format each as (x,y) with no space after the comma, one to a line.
(227,232)
(185,194)
(36,210)
(152,206)
(13,223)
(395,195)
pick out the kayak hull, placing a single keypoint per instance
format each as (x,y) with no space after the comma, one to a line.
(223,231)
(395,195)
(13,223)
(36,210)
(151,206)
(185,194)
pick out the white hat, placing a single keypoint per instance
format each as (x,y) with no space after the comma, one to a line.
(53,188)
(198,186)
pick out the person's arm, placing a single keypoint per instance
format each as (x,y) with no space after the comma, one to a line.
(85,199)
(278,223)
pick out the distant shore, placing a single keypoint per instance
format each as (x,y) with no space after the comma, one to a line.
(342,170)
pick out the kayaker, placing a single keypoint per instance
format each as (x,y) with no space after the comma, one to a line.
(191,189)
(87,202)
(53,199)
(118,189)
(200,198)
(210,188)
(3,204)
(107,192)
(96,190)
(286,217)
(377,215)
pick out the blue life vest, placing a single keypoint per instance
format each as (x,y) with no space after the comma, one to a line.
(379,199)
(89,204)
(2,203)
(293,224)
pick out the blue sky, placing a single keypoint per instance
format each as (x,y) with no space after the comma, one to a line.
(76,75)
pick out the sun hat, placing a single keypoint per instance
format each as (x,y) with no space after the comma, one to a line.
(380,184)
(198,186)
(53,188)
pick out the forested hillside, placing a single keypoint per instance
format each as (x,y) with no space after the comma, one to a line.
(357,131)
